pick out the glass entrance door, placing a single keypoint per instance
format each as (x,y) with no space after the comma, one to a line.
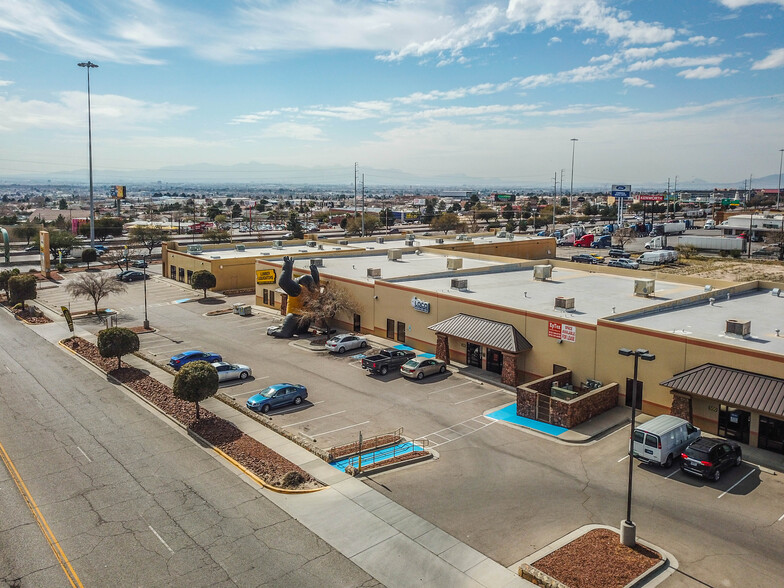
(474,355)
(495,361)
(734,423)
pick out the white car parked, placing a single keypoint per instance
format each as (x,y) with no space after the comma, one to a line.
(342,343)
(231,371)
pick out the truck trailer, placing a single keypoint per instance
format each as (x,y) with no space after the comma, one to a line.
(699,242)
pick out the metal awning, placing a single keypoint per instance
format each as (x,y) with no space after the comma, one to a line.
(730,386)
(502,336)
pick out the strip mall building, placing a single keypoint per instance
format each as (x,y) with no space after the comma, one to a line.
(506,306)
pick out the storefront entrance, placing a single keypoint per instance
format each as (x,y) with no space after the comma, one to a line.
(474,355)
(771,434)
(495,361)
(734,423)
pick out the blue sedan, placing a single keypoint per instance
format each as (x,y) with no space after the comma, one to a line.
(179,360)
(277,395)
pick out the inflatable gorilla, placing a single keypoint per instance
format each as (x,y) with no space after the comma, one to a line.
(293,323)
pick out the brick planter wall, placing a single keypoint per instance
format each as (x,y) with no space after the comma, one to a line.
(442,347)
(526,403)
(570,413)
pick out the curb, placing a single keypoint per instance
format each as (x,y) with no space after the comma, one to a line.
(192,433)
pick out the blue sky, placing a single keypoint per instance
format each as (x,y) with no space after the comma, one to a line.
(651,89)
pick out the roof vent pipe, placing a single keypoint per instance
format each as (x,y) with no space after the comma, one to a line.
(711,301)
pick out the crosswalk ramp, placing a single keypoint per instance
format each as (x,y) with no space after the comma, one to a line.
(458,431)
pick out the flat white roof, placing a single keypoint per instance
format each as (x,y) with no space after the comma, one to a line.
(707,321)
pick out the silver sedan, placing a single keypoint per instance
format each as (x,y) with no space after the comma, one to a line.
(231,371)
(419,367)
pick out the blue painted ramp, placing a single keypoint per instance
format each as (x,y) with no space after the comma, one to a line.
(509,414)
(370,457)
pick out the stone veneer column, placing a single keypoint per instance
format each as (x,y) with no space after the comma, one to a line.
(681,406)
(509,369)
(284,302)
(442,347)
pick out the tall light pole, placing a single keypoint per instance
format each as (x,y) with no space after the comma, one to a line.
(571,182)
(146,321)
(89,65)
(778,197)
(628,530)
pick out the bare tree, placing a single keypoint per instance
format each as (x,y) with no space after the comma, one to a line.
(328,303)
(94,286)
(146,236)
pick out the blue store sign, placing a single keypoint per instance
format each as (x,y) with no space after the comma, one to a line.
(420,305)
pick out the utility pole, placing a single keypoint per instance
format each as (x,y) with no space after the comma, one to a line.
(355,189)
(571,183)
(667,208)
(363,205)
(555,195)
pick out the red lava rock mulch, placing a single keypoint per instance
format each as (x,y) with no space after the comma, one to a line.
(28,318)
(141,330)
(598,559)
(274,469)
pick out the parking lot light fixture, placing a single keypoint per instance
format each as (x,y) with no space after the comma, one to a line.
(628,529)
(146,321)
(89,65)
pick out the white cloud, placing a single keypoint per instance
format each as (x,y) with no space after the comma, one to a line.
(735,4)
(704,73)
(554,40)
(109,112)
(255,117)
(289,130)
(712,60)
(774,59)
(355,111)
(5,83)
(637,82)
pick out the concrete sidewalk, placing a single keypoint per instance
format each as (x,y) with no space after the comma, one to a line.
(389,542)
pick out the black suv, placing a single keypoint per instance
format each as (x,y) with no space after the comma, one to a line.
(584,258)
(707,457)
(619,253)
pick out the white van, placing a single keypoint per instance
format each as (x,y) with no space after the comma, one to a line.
(663,438)
(653,257)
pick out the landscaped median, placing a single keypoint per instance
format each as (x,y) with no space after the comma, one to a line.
(272,470)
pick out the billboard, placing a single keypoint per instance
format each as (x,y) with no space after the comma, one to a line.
(266,276)
(503,197)
(651,197)
(562,331)
(117,192)
(420,202)
(621,191)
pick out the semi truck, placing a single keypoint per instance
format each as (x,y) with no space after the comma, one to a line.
(700,242)
(675,228)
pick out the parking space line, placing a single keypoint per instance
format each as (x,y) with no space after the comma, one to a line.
(475,397)
(624,457)
(449,387)
(673,473)
(314,419)
(340,429)
(731,488)
(780,518)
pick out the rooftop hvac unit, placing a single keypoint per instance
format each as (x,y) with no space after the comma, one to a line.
(775,292)
(564,303)
(459,284)
(343,242)
(394,255)
(379,239)
(239,247)
(409,242)
(462,237)
(194,249)
(277,243)
(510,236)
(310,243)
(374,272)
(439,241)
(320,247)
(318,262)
(738,328)
(644,287)
(501,234)
(543,272)
(454,263)
(214,256)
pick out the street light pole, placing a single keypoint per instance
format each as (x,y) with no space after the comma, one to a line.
(628,529)
(146,322)
(571,182)
(778,197)
(89,65)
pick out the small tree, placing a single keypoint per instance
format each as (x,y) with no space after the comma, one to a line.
(95,286)
(116,342)
(446,222)
(6,275)
(331,301)
(202,280)
(217,235)
(21,288)
(196,381)
(149,237)
(89,255)
(25,232)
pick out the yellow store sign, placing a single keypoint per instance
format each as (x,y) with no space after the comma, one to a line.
(266,276)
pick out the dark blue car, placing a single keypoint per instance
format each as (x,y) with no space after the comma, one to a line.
(277,395)
(179,360)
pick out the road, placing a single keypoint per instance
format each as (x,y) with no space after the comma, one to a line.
(131,499)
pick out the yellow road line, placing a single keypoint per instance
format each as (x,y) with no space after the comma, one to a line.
(39,518)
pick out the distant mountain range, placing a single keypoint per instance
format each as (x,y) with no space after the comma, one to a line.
(260,174)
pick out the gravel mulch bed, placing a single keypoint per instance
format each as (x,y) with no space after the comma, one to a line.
(28,318)
(598,559)
(274,469)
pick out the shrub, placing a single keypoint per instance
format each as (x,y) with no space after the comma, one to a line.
(196,381)
(21,288)
(735,254)
(116,342)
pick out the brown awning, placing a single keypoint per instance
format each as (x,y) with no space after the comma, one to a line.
(502,336)
(731,386)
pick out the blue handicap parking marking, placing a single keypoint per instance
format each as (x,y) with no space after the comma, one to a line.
(180,301)
(509,414)
(358,356)
(404,347)
(428,355)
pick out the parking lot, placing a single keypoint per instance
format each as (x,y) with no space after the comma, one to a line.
(503,490)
